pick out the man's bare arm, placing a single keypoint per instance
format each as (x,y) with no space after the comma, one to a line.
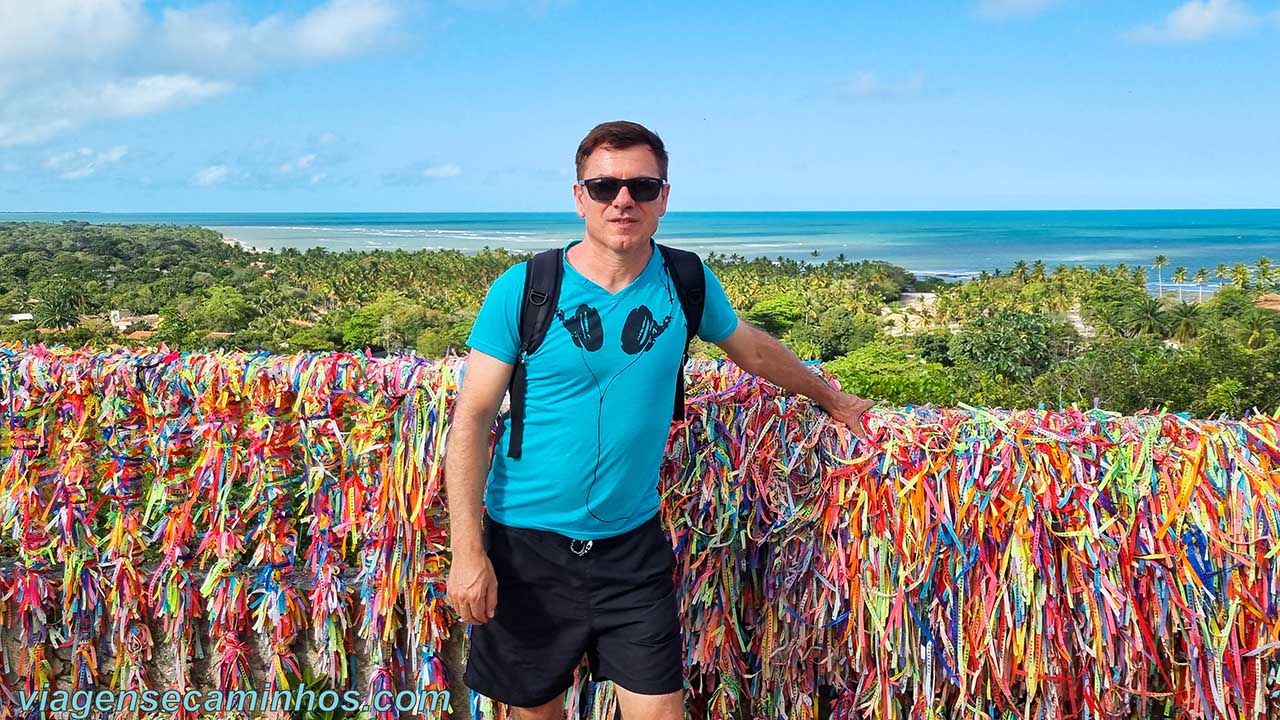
(471,586)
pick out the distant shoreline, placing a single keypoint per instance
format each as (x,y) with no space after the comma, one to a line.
(237,242)
(1190,291)
(950,246)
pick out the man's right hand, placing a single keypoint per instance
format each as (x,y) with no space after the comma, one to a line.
(472,587)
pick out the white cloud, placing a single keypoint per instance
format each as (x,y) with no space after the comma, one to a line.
(144,95)
(210,37)
(343,27)
(77,164)
(1198,20)
(42,113)
(1001,9)
(299,165)
(268,163)
(868,84)
(448,170)
(418,174)
(48,30)
(67,63)
(212,175)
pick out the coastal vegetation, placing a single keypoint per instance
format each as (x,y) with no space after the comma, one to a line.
(1024,336)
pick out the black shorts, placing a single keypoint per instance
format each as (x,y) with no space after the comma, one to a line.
(615,603)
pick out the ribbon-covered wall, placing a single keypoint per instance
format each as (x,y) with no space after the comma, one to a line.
(961,562)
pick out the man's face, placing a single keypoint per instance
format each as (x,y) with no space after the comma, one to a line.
(624,224)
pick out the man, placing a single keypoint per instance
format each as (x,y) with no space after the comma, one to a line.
(570,558)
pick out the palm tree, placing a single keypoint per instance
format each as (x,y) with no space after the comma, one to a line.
(58,304)
(1220,272)
(1202,276)
(1186,321)
(1020,270)
(1159,263)
(1037,270)
(1179,278)
(1264,270)
(1259,326)
(1240,275)
(1146,317)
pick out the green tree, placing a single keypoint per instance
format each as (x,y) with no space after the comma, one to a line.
(1109,373)
(776,315)
(439,340)
(885,371)
(1225,396)
(1221,272)
(224,309)
(1147,316)
(390,321)
(59,303)
(1037,271)
(1185,321)
(1160,263)
(1230,302)
(360,331)
(1019,271)
(172,330)
(838,331)
(934,346)
(1258,327)
(1012,344)
(1264,268)
(312,339)
(1105,302)
(1179,278)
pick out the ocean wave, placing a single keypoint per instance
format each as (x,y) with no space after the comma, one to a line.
(393,232)
(251,228)
(946,273)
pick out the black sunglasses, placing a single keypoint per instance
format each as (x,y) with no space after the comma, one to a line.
(641,189)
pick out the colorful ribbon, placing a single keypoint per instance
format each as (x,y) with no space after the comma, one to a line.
(962,562)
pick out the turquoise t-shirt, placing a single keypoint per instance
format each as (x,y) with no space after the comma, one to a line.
(598,404)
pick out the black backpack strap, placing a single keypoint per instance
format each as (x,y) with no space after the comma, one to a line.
(543,273)
(686,273)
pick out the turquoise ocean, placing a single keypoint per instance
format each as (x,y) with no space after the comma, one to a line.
(954,244)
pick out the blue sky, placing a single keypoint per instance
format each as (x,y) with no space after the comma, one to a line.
(396,105)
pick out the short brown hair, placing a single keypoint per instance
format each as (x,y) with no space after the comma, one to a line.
(620,135)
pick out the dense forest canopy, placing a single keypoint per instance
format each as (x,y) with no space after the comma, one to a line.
(1022,337)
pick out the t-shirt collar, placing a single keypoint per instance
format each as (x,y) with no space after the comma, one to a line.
(571,271)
